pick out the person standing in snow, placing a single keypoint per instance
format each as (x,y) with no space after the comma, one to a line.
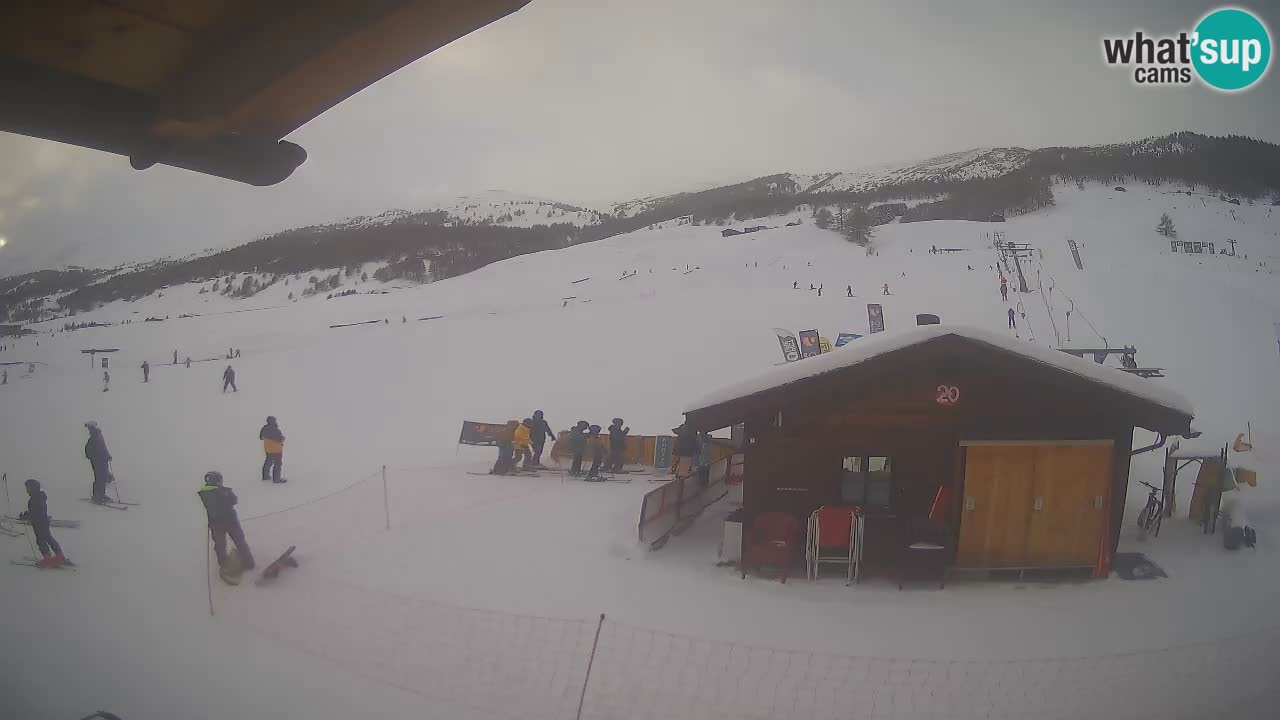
(795,285)
(886,288)
(684,449)
(848,290)
(106,381)
(505,437)
(1004,288)
(596,444)
(1013,324)
(175,357)
(146,371)
(617,444)
(520,441)
(539,432)
(95,450)
(578,445)
(37,514)
(188,362)
(229,379)
(220,507)
(273,445)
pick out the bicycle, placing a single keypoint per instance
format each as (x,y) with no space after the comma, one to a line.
(1152,512)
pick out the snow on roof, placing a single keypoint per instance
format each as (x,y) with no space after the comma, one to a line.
(873,346)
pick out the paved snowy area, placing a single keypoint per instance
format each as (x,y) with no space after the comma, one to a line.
(481,599)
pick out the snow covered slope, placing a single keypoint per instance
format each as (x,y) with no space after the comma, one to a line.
(492,207)
(574,333)
(966,165)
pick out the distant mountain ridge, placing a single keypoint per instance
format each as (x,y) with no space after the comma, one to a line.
(458,235)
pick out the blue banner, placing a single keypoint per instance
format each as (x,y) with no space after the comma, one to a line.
(844,338)
(662,451)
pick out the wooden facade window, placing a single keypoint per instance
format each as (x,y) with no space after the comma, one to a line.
(867,481)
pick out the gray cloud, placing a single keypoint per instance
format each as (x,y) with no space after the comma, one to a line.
(593,101)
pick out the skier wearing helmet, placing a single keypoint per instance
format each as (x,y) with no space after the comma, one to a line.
(273,444)
(95,449)
(617,445)
(539,431)
(521,439)
(220,506)
(37,513)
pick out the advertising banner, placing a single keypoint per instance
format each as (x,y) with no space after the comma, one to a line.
(790,348)
(662,451)
(809,343)
(875,317)
(844,338)
(480,433)
(824,344)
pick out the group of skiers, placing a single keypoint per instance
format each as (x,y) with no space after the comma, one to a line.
(521,444)
(522,441)
(219,501)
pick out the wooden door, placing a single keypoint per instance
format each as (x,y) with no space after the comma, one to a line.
(1069,505)
(995,513)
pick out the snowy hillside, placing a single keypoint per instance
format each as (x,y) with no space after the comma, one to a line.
(480,597)
(967,165)
(493,207)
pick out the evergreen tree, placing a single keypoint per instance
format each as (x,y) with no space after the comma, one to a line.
(822,218)
(857,226)
(1165,227)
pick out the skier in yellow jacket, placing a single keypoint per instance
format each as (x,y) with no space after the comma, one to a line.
(273,445)
(521,443)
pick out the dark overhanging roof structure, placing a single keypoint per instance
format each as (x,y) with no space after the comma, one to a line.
(212,86)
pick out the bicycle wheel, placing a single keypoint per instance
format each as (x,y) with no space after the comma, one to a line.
(1144,517)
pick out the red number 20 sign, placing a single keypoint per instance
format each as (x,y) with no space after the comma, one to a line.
(947,395)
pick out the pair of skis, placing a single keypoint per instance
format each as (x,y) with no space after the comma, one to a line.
(113,504)
(29,561)
(52,523)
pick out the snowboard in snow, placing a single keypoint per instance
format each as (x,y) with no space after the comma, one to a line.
(277,566)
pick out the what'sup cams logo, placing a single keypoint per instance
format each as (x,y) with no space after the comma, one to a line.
(1229,50)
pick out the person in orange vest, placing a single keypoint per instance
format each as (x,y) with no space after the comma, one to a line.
(273,444)
(521,442)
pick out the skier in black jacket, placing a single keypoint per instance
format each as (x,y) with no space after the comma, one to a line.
(617,444)
(38,515)
(220,506)
(100,460)
(539,431)
(578,445)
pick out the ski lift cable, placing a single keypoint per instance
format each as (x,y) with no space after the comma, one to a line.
(1074,309)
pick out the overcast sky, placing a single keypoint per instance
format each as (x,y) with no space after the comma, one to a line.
(591,101)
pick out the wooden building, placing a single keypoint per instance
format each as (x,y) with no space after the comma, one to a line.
(1030,446)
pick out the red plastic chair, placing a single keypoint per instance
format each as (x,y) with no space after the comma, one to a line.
(772,541)
(832,538)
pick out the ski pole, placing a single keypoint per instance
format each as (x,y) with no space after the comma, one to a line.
(8,509)
(30,541)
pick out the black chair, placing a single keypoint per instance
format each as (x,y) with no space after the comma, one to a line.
(924,553)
